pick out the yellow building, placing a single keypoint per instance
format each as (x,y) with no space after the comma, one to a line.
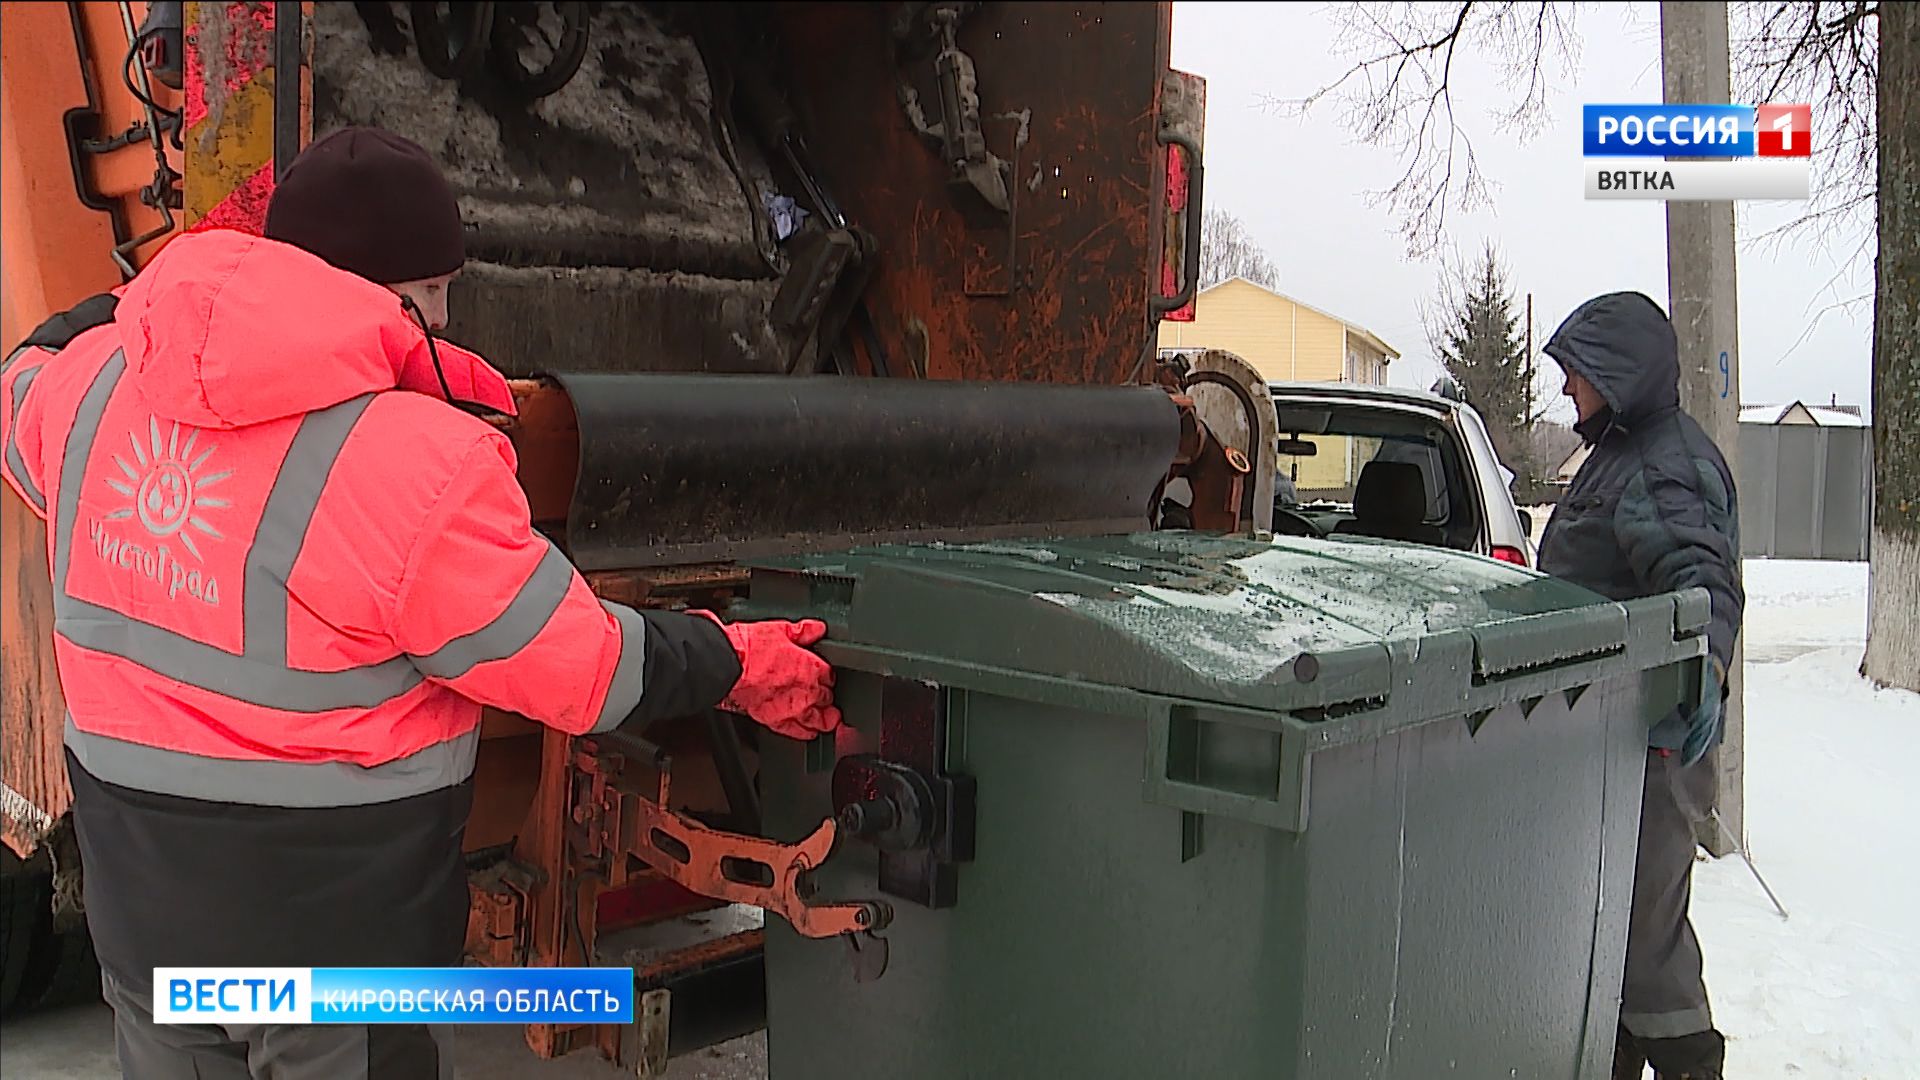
(1288,341)
(1284,339)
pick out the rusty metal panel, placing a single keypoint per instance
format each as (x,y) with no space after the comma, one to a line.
(32,766)
(609,228)
(1056,290)
(624,208)
(618,167)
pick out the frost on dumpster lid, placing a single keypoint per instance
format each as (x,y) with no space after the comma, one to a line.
(1171,612)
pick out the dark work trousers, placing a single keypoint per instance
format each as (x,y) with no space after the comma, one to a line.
(154,1051)
(1664,996)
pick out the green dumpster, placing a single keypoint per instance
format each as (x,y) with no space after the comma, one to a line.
(1173,805)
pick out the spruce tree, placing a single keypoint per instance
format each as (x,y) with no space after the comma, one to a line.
(1481,344)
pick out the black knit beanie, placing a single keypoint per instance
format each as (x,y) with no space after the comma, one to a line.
(371,203)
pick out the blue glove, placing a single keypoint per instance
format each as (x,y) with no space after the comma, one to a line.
(1703,727)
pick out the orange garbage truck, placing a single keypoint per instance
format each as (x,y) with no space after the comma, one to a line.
(769,279)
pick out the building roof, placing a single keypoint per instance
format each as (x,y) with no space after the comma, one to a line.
(1573,462)
(1848,416)
(1353,328)
(1843,416)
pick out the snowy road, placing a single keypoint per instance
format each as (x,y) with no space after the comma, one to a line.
(1833,796)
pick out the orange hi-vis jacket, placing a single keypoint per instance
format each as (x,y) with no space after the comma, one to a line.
(283,582)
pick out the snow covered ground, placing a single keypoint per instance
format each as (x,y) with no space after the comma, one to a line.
(1833,798)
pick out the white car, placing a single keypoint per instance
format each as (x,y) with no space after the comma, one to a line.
(1393,463)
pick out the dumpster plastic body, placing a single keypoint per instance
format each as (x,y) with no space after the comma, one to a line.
(1182,806)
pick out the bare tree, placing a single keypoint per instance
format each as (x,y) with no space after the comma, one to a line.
(1824,52)
(1228,250)
(1858,61)
(1398,93)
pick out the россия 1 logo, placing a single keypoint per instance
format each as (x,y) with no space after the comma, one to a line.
(1697,152)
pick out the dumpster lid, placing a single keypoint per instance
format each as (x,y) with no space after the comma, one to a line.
(1288,623)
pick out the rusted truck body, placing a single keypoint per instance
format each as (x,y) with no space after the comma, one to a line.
(940,235)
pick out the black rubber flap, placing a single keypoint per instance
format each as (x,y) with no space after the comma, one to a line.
(678,469)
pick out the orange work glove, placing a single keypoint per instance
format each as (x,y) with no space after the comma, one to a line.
(783,687)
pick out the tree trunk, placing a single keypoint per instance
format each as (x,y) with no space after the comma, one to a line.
(1893,632)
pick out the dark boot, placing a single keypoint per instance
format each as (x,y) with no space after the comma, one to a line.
(1700,1056)
(1629,1061)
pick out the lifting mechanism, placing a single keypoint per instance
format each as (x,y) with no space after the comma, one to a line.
(768,280)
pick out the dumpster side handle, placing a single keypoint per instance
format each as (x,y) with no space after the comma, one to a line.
(1180,725)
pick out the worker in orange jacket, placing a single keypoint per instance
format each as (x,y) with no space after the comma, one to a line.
(287,575)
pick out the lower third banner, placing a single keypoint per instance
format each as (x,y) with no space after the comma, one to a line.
(594,995)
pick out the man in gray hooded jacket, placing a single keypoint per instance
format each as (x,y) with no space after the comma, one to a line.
(1652,511)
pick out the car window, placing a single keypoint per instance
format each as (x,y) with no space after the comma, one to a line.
(1352,469)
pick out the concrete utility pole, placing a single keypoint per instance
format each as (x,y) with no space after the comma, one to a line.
(1526,415)
(1703,301)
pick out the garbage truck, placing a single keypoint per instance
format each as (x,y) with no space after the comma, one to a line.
(849,310)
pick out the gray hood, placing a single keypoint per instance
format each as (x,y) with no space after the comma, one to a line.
(1625,346)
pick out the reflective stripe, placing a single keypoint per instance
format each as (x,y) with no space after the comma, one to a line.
(630,675)
(284,523)
(514,629)
(13,357)
(253,678)
(15,464)
(21,809)
(208,667)
(73,470)
(273,783)
(1667,1025)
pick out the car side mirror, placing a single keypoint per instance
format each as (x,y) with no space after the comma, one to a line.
(1526,521)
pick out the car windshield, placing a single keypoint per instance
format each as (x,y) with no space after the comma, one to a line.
(1356,469)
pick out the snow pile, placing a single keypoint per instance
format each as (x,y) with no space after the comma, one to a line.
(1794,608)
(1541,515)
(1832,798)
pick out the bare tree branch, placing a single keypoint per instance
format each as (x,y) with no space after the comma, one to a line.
(1399,95)
(1861,256)
(1838,306)
(1825,54)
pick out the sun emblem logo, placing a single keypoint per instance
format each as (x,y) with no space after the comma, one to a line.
(166,488)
